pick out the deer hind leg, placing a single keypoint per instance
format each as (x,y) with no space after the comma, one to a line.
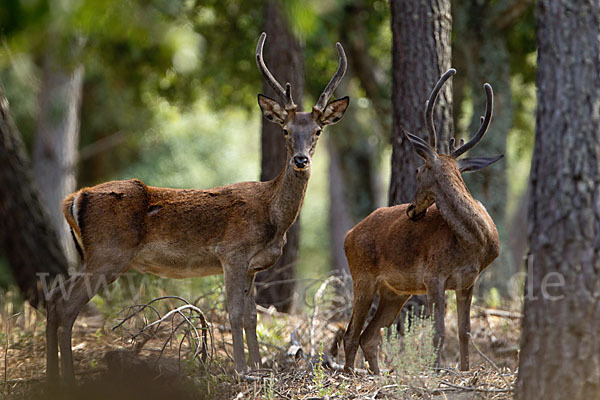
(250,323)
(79,289)
(436,306)
(235,277)
(463,305)
(388,309)
(364,293)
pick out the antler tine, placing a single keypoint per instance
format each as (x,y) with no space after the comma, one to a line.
(430,104)
(335,80)
(485,123)
(286,95)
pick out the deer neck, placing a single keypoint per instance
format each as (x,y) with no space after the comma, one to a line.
(467,218)
(289,190)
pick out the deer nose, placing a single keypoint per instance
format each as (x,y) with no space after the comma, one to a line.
(300,162)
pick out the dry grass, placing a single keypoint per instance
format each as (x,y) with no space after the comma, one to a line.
(493,363)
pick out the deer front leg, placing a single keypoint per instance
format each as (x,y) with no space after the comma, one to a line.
(250,323)
(235,276)
(463,305)
(436,306)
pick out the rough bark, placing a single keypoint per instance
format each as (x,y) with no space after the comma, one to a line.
(560,346)
(27,237)
(56,142)
(283,56)
(420,55)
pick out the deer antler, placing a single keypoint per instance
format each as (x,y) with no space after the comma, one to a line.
(452,141)
(286,95)
(485,123)
(335,80)
(429,104)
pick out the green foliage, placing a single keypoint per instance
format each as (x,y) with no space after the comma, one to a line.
(269,387)
(196,148)
(411,357)
(271,331)
(320,378)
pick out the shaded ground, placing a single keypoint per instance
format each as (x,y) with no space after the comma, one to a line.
(107,366)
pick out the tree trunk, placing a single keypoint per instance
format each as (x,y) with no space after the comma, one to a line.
(283,56)
(27,237)
(420,55)
(560,346)
(57,138)
(340,220)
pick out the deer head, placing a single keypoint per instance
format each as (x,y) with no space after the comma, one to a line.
(447,166)
(301,129)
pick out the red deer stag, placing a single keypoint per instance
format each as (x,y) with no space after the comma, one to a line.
(235,230)
(414,248)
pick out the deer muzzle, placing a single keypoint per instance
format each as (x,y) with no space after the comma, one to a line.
(300,163)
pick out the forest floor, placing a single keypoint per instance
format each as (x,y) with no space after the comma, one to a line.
(109,364)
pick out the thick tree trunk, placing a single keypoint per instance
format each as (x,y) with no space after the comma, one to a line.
(283,56)
(560,345)
(57,138)
(421,54)
(27,237)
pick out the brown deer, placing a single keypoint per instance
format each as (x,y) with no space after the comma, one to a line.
(234,230)
(422,248)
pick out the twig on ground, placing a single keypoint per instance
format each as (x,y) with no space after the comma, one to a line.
(316,299)
(474,389)
(493,364)
(381,389)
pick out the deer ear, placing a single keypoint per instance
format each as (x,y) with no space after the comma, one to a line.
(421,147)
(472,164)
(334,111)
(272,110)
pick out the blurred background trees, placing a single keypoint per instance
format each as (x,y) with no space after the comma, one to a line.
(166,91)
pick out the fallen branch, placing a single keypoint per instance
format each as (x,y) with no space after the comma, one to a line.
(499,313)
(197,336)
